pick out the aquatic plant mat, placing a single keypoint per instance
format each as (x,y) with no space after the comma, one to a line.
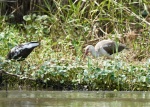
(95,75)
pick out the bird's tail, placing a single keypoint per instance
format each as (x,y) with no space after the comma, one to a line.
(127,48)
(124,46)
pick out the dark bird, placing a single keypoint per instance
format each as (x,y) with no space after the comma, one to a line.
(20,52)
(104,48)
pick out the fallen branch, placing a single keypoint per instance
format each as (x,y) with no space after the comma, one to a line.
(19,76)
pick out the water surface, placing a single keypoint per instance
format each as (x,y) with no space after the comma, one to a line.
(74,99)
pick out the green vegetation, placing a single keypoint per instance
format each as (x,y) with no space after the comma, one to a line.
(63,33)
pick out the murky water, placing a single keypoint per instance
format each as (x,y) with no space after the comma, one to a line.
(74,99)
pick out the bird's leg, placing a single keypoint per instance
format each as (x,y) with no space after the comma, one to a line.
(102,58)
(22,68)
(6,83)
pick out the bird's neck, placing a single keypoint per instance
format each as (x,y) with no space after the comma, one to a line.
(94,53)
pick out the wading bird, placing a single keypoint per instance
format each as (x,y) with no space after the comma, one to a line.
(104,48)
(20,52)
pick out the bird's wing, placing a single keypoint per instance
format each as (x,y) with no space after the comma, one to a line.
(113,47)
(16,51)
(110,47)
(100,44)
(121,47)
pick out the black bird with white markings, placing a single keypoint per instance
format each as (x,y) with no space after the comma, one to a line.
(20,52)
(104,48)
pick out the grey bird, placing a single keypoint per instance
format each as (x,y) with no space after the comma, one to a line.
(104,48)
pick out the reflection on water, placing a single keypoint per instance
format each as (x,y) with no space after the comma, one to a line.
(73,99)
